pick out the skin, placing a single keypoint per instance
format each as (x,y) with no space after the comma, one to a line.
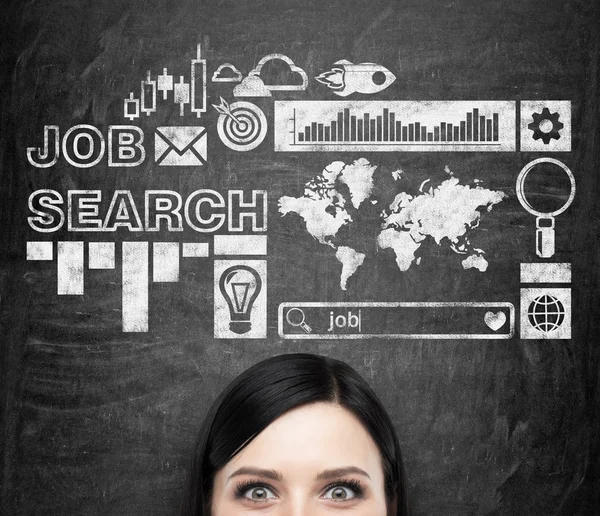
(304,464)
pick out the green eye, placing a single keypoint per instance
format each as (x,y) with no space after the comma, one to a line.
(340,493)
(259,493)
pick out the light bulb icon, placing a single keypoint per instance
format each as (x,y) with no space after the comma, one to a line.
(240,286)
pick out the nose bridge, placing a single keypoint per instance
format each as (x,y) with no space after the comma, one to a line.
(299,504)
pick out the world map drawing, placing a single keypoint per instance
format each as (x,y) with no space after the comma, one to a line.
(342,208)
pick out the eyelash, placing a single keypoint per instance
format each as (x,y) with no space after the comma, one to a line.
(242,487)
(351,483)
(356,486)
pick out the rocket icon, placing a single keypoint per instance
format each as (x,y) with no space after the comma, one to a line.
(348,78)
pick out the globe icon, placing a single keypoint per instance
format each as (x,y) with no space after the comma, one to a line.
(546,313)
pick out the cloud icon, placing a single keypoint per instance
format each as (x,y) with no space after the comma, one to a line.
(251,86)
(227,73)
(254,86)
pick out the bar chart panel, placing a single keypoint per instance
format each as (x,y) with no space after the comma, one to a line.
(410,126)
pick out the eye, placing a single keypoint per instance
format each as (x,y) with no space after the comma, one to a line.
(343,492)
(258,493)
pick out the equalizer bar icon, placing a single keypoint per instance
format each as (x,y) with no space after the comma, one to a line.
(487,126)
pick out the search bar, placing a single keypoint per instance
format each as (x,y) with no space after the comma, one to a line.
(444,320)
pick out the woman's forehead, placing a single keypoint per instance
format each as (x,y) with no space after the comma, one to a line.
(315,437)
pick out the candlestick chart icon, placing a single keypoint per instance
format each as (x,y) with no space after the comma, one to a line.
(186,91)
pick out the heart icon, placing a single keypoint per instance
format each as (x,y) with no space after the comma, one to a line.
(495,321)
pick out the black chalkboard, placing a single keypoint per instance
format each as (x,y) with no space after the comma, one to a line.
(95,420)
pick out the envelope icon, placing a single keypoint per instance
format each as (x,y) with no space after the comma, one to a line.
(180,146)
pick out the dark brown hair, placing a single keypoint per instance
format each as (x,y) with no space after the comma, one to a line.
(265,391)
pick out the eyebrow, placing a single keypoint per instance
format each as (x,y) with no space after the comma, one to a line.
(329,474)
(265,473)
(326,474)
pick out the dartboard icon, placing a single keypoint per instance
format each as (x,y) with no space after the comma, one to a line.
(242,127)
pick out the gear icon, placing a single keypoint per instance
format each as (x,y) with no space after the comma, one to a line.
(546,126)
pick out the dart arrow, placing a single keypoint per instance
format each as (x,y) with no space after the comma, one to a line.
(224,109)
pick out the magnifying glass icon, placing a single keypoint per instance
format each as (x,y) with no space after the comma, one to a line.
(296,317)
(544,236)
